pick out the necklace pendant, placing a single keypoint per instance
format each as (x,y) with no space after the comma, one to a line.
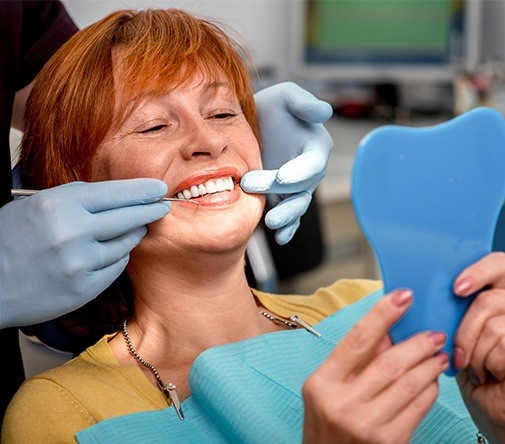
(294,318)
(170,393)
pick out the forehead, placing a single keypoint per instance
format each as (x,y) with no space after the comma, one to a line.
(136,80)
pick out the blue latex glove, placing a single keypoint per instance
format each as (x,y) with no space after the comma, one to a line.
(63,246)
(295,151)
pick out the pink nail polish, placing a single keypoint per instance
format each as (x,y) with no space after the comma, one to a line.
(402,297)
(443,358)
(437,337)
(463,286)
(458,357)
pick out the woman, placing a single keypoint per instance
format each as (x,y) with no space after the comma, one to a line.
(186,116)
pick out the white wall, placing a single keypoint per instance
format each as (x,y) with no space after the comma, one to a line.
(263,24)
(493,39)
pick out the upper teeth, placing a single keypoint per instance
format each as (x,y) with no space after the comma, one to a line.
(209,187)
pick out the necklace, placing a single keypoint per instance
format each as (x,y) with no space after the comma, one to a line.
(169,390)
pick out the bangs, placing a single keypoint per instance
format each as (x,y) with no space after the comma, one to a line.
(102,73)
(161,50)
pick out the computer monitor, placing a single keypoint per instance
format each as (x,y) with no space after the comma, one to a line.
(384,40)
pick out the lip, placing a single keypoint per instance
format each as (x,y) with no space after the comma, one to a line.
(200,178)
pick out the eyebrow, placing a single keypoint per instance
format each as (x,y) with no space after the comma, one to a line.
(212,85)
(215,84)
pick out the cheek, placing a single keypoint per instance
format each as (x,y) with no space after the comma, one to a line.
(100,168)
(119,162)
(250,152)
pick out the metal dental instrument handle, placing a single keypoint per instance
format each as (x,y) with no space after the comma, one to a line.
(18,192)
(22,193)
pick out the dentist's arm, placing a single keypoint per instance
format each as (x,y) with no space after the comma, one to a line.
(63,246)
(295,151)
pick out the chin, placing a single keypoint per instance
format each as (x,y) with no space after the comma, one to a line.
(221,241)
(221,234)
(209,230)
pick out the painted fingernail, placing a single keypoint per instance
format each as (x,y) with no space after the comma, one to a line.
(458,357)
(474,378)
(443,358)
(463,286)
(437,337)
(402,297)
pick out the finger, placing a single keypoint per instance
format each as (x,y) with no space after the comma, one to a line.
(416,391)
(265,181)
(358,346)
(288,211)
(495,364)
(310,163)
(394,366)
(463,381)
(489,351)
(102,278)
(305,105)
(102,196)
(260,181)
(485,306)
(113,223)
(97,278)
(383,346)
(114,250)
(285,234)
(490,270)
(405,423)
(95,255)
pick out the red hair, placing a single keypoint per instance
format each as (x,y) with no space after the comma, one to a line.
(73,103)
(71,107)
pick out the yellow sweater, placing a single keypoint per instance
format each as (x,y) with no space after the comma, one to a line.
(54,405)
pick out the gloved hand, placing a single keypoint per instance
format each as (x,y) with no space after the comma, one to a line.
(295,151)
(63,246)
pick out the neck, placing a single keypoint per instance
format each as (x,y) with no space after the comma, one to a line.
(186,306)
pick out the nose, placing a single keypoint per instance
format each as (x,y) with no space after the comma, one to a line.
(204,140)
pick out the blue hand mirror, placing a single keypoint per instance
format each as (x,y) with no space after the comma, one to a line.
(428,199)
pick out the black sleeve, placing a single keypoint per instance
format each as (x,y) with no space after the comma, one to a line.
(30,32)
(46,25)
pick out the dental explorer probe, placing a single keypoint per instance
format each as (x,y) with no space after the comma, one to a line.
(18,192)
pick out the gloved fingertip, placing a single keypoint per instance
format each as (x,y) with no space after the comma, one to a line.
(272,221)
(288,211)
(249,185)
(155,188)
(123,262)
(160,210)
(141,232)
(167,206)
(326,110)
(285,234)
(314,111)
(281,238)
(290,176)
(257,181)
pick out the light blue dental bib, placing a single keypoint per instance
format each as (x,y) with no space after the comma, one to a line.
(250,392)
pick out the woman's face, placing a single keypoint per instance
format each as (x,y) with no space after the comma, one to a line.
(196,139)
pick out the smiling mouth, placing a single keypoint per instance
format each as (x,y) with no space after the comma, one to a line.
(208,187)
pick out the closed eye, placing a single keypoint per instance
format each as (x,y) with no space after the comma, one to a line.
(224,115)
(153,129)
